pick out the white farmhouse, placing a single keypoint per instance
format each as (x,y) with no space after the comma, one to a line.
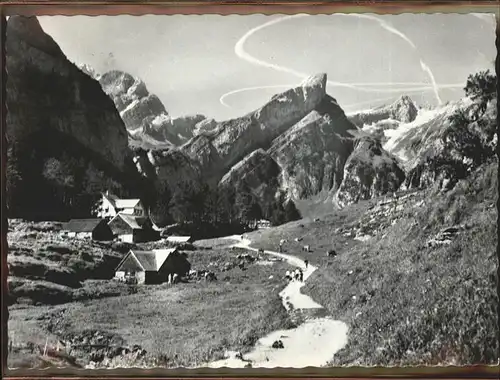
(110,205)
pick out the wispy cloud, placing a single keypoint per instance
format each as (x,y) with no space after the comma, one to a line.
(240,51)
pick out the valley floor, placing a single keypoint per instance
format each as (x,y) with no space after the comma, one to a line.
(413,282)
(178,325)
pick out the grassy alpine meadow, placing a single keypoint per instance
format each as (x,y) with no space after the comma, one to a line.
(407,302)
(180,325)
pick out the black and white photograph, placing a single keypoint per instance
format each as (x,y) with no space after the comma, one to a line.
(251,191)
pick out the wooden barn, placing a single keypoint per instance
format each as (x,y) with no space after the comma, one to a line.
(152,267)
(132,229)
(96,229)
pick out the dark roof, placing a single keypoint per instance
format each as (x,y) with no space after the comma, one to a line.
(147,259)
(134,222)
(152,260)
(82,225)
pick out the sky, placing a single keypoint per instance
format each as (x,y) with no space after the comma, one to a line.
(226,66)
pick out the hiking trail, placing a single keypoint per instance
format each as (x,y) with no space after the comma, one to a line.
(311,344)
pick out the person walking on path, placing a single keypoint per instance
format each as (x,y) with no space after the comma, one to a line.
(306,262)
(282,241)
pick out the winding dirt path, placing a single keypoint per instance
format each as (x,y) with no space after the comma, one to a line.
(312,344)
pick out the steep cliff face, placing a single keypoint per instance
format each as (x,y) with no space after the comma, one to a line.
(369,171)
(168,171)
(316,155)
(313,152)
(260,172)
(218,150)
(203,126)
(176,130)
(412,140)
(66,138)
(144,113)
(46,91)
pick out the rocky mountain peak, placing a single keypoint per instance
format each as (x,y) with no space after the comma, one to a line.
(293,104)
(315,81)
(369,171)
(131,97)
(145,115)
(404,109)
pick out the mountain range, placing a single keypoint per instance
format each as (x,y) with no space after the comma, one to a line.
(299,144)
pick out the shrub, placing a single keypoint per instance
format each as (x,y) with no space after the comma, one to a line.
(59,248)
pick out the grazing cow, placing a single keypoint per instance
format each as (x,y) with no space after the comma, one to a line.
(307,248)
(331,253)
(298,239)
(316,219)
(297,274)
(282,242)
(210,276)
(277,344)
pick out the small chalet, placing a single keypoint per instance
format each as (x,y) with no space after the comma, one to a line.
(179,239)
(152,267)
(96,229)
(110,205)
(132,229)
(263,223)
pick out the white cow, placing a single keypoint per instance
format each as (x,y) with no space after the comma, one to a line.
(307,248)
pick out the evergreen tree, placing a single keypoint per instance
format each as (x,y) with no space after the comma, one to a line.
(246,204)
(291,212)
(181,203)
(481,86)
(255,212)
(226,204)
(161,214)
(13,179)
